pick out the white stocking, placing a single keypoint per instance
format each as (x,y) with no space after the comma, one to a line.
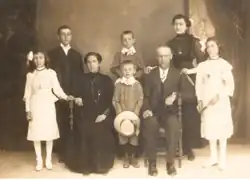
(223,153)
(213,151)
(38,151)
(49,147)
(213,154)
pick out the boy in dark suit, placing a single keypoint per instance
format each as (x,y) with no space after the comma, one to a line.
(67,62)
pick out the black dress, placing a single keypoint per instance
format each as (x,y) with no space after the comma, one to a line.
(185,48)
(97,139)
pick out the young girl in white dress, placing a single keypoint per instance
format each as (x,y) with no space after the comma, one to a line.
(42,90)
(214,88)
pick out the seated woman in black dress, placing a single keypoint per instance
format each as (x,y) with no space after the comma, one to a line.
(95,92)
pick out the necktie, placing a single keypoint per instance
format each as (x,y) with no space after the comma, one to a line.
(163,76)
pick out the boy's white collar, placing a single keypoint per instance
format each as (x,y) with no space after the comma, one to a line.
(130,51)
(127,81)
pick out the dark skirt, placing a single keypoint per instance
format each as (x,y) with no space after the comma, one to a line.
(191,126)
(72,154)
(94,150)
(190,116)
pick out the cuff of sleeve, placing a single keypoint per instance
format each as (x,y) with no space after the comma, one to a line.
(230,94)
(65,97)
(198,99)
(137,113)
(106,112)
(27,108)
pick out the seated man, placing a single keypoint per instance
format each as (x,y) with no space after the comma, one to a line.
(160,110)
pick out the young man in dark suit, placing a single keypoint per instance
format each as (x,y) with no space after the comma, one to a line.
(160,109)
(67,62)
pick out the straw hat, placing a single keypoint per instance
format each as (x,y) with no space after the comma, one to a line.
(126,123)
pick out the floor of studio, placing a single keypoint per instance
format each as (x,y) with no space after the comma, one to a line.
(21,165)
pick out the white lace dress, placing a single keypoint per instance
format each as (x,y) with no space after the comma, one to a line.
(41,85)
(216,119)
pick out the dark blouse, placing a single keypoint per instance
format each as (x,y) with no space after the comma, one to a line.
(185,49)
(96,91)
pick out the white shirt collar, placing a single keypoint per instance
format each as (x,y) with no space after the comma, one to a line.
(163,74)
(130,51)
(127,81)
(65,48)
(162,71)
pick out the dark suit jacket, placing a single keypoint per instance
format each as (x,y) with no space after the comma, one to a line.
(68,68)
(152,90)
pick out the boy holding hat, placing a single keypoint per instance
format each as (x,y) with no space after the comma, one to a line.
(127,101)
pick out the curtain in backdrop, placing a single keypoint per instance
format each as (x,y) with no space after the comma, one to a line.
(17,36)
(227,20)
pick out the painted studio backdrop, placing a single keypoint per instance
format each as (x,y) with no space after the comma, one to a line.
(96,26)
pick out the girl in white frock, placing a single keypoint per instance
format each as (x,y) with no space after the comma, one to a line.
(214,87)
(42,90)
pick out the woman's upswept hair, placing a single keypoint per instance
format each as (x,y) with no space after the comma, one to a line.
(97,55)
(181,16)
(31,64)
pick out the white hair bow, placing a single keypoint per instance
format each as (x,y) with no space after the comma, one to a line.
(30,56)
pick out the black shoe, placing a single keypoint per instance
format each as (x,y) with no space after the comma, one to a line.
(171,169)
(86,172)
(190,156)
(152,169)
(61,160)
(101,171)
(126,163)
(134,161)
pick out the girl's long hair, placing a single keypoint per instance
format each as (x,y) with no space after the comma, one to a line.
(31,66)
(214,39)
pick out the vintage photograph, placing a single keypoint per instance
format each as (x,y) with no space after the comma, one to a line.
(124,89)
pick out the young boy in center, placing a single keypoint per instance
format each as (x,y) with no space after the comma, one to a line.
(128,52)
(128,96)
